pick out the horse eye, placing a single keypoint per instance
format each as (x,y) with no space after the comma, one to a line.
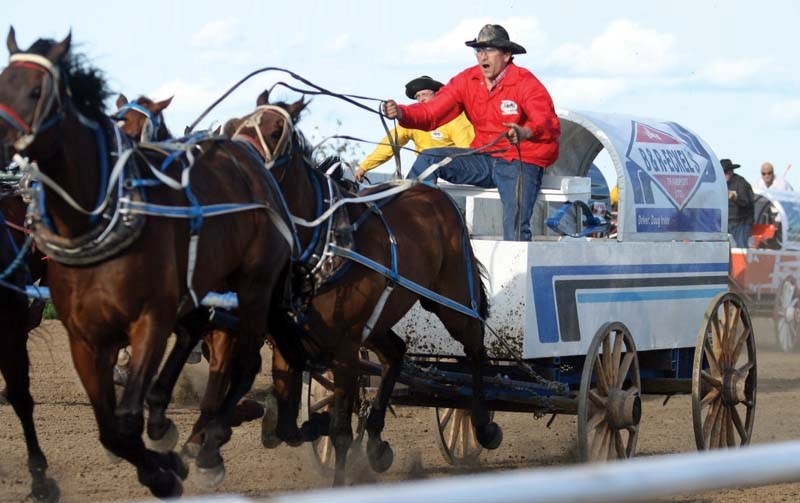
(35,93)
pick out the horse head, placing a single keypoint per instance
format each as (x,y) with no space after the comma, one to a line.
(142,119)
(31,87)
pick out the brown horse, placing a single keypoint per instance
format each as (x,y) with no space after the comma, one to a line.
(14,364)
(130,277)
(332,319)
(142,119)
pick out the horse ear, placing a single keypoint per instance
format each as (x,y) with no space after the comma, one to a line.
(263,98)
(11,41)
(230,127)
(159,106)
(217,131)
(121,101)
(295,108)
(60,49)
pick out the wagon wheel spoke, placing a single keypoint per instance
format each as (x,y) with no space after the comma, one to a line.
(716,428)
(709,422)
(733,325)
(321,404)
(606,356)
(621,450)
(323,381)
(730,438)
(325,450)
(600,377)
(623,368)
(713,364)
(746,367)
(596,421)
(710,379)
(454,432)
(615,358)
(716,336)
(466,433)
(737,349)
(737,422)
(444,421)
(712,395)
(600,444)
(597,399)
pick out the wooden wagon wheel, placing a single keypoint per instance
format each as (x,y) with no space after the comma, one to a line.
(456,438)
(785,315)
(724,377)
(317,396)
(609,400)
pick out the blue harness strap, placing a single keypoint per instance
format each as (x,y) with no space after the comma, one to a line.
(405,283)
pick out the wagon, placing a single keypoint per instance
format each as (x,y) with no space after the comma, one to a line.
(767,274)
(586,325)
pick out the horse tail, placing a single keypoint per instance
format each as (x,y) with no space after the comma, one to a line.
(483,301)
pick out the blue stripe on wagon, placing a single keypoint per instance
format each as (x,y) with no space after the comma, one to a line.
(543,280)
(598,298)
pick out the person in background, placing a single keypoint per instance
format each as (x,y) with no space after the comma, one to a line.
(768,179)
(456,133)
(740,204)
(513,115)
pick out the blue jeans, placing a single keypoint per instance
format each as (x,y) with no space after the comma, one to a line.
(486,171)
(741,233)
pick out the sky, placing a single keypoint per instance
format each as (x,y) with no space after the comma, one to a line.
(728,70)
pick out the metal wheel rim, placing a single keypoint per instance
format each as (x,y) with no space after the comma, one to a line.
(597,439)
(456,436)
(726,331)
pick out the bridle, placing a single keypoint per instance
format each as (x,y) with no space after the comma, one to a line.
(50,96)
(282,148)
(151,121)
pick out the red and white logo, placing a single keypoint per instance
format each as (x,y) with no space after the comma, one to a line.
(668,161)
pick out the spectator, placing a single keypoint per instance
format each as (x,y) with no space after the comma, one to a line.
(740,204)
(456,133)
(769,181)
(499,98)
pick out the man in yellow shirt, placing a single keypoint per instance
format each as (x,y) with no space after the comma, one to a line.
(456,133)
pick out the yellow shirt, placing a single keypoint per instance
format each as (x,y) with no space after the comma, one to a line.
(456,133)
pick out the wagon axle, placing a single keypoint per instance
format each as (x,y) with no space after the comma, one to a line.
(623,408)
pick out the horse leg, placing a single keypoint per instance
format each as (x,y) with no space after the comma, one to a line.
(243,368)
(469,332)
(390,349)
(15,365)
(345,376)
(220,346)
(160,429)
(161,473)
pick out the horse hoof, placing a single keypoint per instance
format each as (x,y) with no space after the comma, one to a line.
(210,478)
(45,491)
(166,485)
(380,456)
(490,436)
(269,423)
(167,442)
(175,463)
(113,458)
(245,411)
(189,451)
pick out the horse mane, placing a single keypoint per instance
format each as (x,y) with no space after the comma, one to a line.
(87,84)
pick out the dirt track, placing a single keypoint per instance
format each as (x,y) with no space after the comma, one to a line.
(68,434)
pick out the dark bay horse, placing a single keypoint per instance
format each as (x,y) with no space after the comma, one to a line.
(120,274)
(142,120)
(354,307)
(15,318)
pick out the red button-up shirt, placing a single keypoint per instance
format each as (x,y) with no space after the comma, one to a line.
(518,98)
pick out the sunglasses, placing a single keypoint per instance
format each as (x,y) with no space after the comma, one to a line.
(767,173)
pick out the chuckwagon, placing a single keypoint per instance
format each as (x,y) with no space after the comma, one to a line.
(767,273)
(583,323)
